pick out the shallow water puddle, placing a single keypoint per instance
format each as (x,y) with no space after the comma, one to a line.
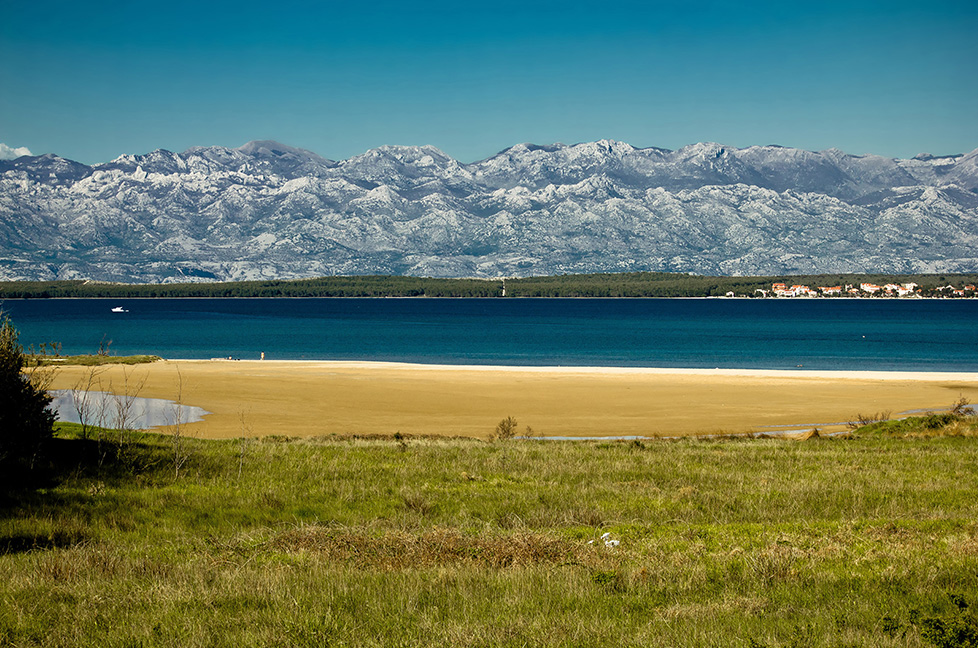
(114,411)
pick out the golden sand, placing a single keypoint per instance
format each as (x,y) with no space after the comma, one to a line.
(255,398)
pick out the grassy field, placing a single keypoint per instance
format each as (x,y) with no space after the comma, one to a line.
(155,540)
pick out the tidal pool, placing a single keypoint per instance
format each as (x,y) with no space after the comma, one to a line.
(107,410)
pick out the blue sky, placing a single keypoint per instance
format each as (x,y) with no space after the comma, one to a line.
(91,81)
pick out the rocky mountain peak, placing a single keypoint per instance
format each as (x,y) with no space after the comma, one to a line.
(270,210)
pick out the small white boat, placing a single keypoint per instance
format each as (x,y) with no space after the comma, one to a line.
(119,309)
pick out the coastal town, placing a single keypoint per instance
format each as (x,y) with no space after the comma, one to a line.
(906,290)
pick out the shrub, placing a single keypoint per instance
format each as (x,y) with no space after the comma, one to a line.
(26,423)
(506,429)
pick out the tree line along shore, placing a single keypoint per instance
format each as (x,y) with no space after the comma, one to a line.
(631,284)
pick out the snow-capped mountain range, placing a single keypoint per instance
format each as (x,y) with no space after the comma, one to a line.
(266,210)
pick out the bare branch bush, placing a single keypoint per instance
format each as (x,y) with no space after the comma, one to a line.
(125,412)
(103,347)
(962,407)
(181,450)
(85,404)
(102,420)
(861,420)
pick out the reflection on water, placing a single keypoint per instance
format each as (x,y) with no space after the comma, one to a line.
(112,411)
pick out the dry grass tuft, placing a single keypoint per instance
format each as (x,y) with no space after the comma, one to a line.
(811,435)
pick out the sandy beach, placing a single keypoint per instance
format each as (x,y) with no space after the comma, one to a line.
(307,399)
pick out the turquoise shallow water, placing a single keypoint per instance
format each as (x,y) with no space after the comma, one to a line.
(818,334)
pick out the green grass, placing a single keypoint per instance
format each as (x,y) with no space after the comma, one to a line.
(88,360)
(866,541)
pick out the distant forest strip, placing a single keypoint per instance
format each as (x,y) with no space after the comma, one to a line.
(345,286)
(630,284)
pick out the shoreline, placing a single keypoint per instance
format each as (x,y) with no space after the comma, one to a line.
(825,374)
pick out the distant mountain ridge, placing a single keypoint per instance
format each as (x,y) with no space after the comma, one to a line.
(266,210)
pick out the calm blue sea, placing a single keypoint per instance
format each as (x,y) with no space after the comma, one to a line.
(860,334)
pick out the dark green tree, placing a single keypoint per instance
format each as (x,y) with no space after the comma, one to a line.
(26,422)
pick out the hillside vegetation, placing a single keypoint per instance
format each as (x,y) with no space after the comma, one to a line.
(159,540)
